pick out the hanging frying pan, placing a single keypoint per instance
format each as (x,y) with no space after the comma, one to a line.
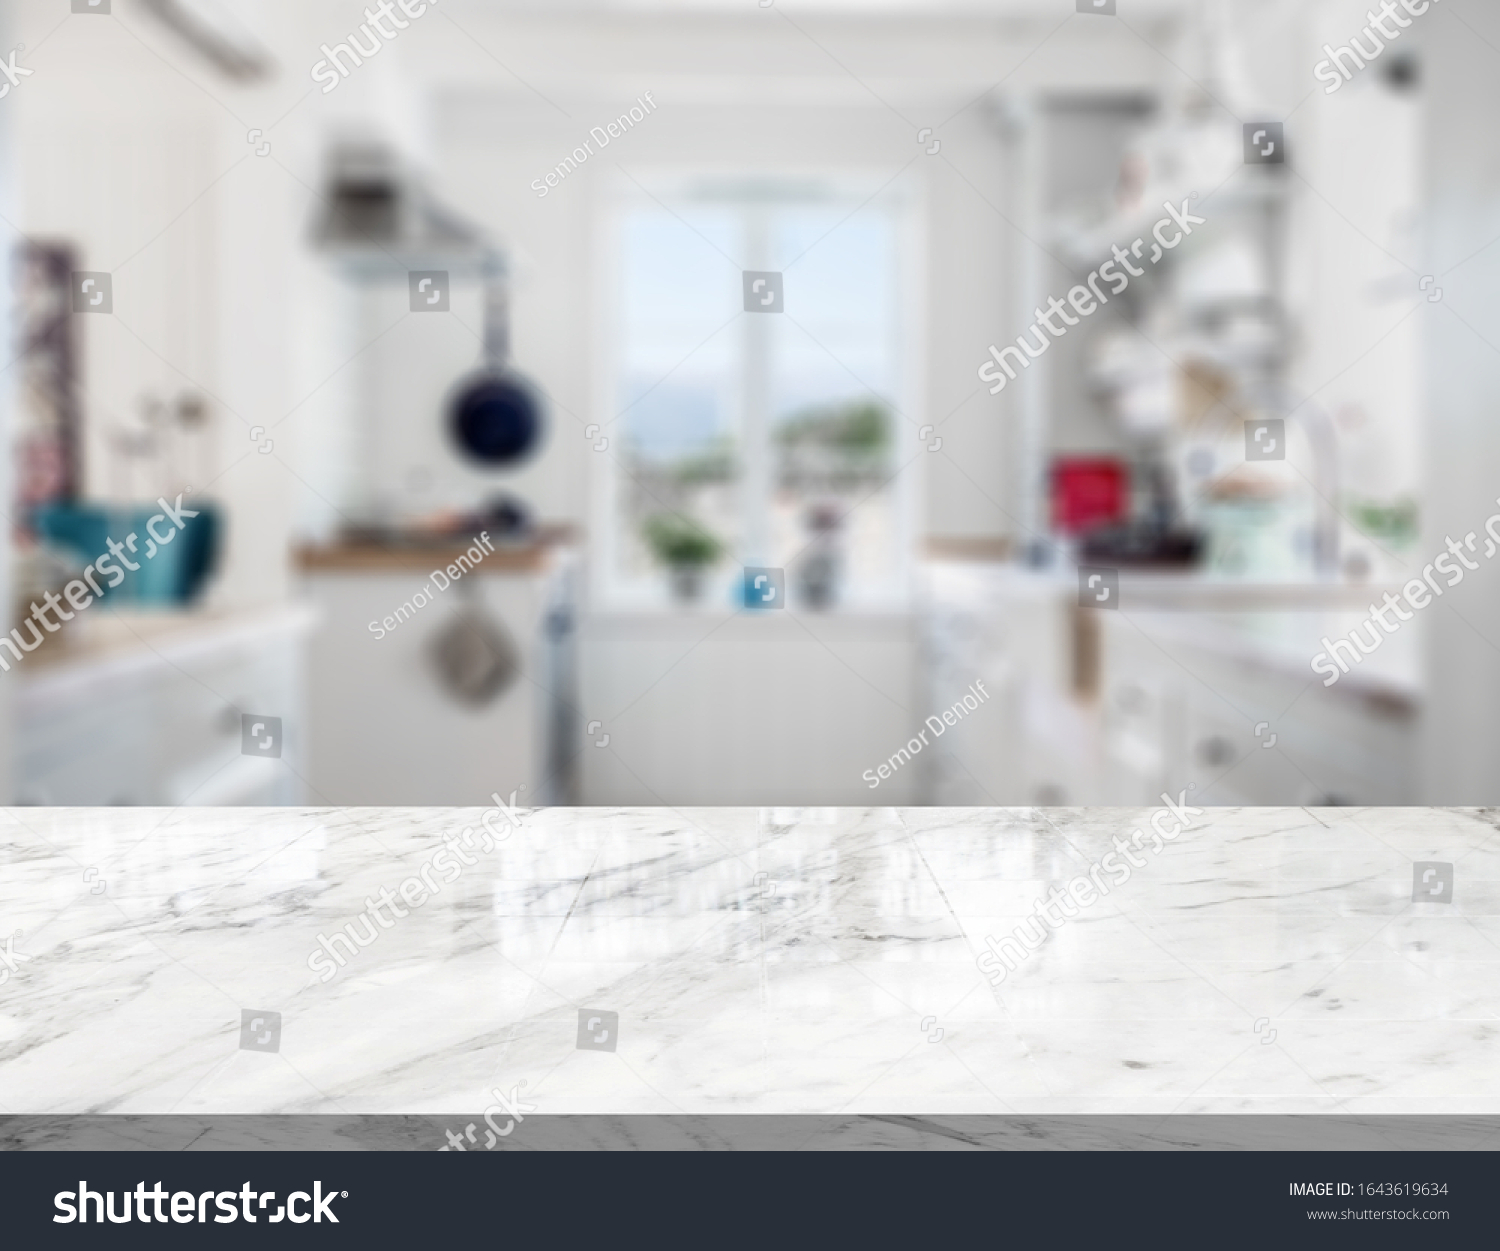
(495,415)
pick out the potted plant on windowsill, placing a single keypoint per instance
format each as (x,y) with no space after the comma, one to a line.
(685,548)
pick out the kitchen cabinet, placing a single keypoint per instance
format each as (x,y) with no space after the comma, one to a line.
(1034,743)
(146,710)
(382,728)
(1188,698)
(713,706)
(1186,686)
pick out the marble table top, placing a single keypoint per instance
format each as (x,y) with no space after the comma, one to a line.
(739,960)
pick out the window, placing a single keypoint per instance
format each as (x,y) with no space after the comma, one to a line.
(745,438)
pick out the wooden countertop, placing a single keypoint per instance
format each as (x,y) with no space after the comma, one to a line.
(423,556)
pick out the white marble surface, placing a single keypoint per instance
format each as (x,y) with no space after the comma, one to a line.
(801,991)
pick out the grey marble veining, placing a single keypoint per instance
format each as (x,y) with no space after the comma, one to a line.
(790,961)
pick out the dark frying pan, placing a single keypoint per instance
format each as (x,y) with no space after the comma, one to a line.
(496,415)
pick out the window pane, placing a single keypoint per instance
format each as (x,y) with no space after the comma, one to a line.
(835,376)
(678,377)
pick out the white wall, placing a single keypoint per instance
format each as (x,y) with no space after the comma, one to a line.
(133,149)
(107,167)
(759,709)
(1358,257)
(1463,380)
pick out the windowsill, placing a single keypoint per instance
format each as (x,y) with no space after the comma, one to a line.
(705,613)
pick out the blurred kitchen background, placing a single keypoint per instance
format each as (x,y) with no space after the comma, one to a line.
(580,380)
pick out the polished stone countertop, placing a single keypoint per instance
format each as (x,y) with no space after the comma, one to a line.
(742,960)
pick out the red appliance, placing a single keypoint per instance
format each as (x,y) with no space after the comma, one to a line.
(1088,492)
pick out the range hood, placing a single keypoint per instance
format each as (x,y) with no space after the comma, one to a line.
(377,217)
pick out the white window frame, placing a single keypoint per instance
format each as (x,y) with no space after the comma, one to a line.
(670,185)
